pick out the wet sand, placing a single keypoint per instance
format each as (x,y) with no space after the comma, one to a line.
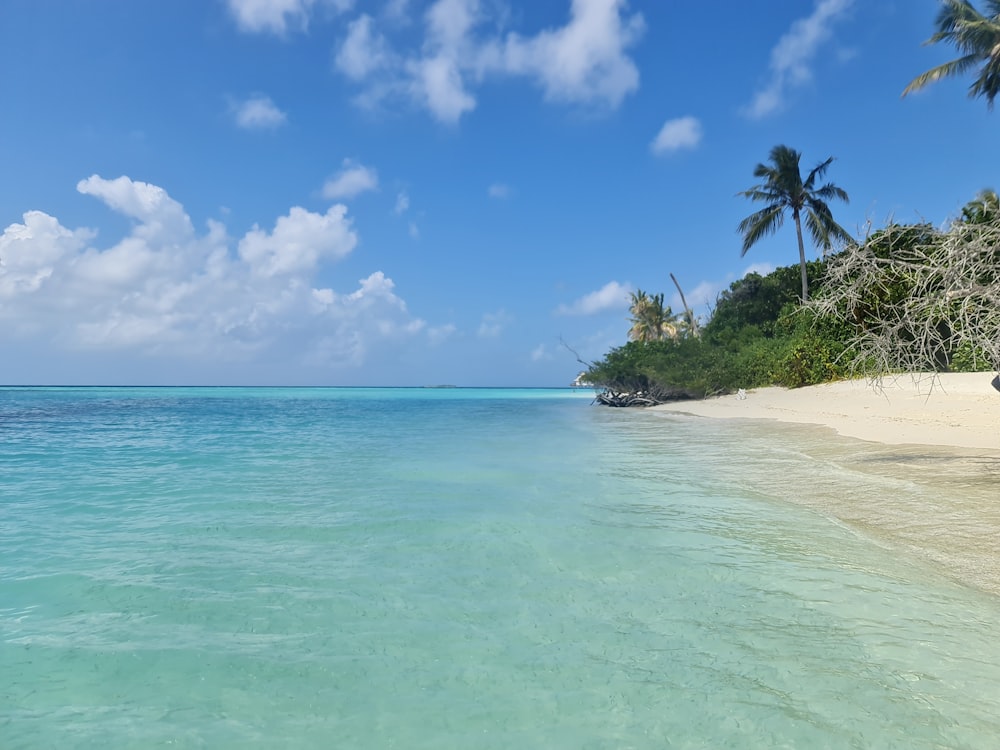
(933,444)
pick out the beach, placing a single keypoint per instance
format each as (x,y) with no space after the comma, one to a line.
(959,410)
(934,440)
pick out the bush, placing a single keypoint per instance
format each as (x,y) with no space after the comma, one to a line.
(758,336)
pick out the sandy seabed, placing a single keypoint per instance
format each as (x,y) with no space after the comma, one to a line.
(935,438)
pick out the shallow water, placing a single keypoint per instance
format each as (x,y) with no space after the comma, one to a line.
(474,568)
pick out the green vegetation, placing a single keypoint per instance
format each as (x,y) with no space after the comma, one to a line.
(907,298)
(758,335)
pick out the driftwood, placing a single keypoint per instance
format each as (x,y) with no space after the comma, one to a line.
(651,397)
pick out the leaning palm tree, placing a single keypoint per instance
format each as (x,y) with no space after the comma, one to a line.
(782,188)
(977,38)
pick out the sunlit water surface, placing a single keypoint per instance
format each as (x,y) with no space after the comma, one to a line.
(354,568)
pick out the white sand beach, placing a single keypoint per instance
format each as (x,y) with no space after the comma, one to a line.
(960,410)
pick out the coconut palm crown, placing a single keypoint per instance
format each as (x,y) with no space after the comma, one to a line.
(651,319)
(783,189)
(977,38)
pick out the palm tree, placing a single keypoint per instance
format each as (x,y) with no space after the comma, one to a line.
(977,37)
(782,188)
(984,209)
(651,320)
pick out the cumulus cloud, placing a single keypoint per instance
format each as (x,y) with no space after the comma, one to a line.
(402,204)
(611,296)
(363,51)
(677,134)
(350,181)
(298,242)
(436,82)
(258,113)
(167,289)
(279,16)
(792,55)
(584,61)
(492,324)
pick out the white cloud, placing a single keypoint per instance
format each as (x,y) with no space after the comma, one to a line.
(677,134)
(402,204)
(440,334)
(498,190)
(298,242)
(759,268)
(278,16)
(541,353)
(350,181)
(584,61)
(396,10)
(363,51)
(492,324)
(158,215)
(200,297)
(414,231)
(792,55)
(705,293)
(611,296)
(258,113)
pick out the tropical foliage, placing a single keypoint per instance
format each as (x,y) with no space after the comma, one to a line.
(908,297)
(651,320)
(921,299)
(977,38)
(782,189)
(757,336)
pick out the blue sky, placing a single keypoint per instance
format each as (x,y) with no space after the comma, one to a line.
(412,192)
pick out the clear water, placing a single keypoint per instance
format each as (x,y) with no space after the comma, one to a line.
(354,568)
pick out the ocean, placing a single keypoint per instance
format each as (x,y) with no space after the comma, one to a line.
(476,568)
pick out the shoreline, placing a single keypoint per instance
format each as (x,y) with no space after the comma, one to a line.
(956,410)
(935,439)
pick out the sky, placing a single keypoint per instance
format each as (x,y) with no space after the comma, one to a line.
(429,192)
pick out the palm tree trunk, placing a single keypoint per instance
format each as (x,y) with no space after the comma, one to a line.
(692,322)
(802,256)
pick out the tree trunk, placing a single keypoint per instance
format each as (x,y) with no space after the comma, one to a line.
(687,310)
(802,256)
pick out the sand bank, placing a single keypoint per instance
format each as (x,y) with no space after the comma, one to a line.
(960,410)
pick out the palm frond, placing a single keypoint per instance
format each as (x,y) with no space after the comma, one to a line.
(817,173)
(977,38)
(831,191)
(761,224)
(952,68)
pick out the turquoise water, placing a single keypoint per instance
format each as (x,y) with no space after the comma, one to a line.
(377,568)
